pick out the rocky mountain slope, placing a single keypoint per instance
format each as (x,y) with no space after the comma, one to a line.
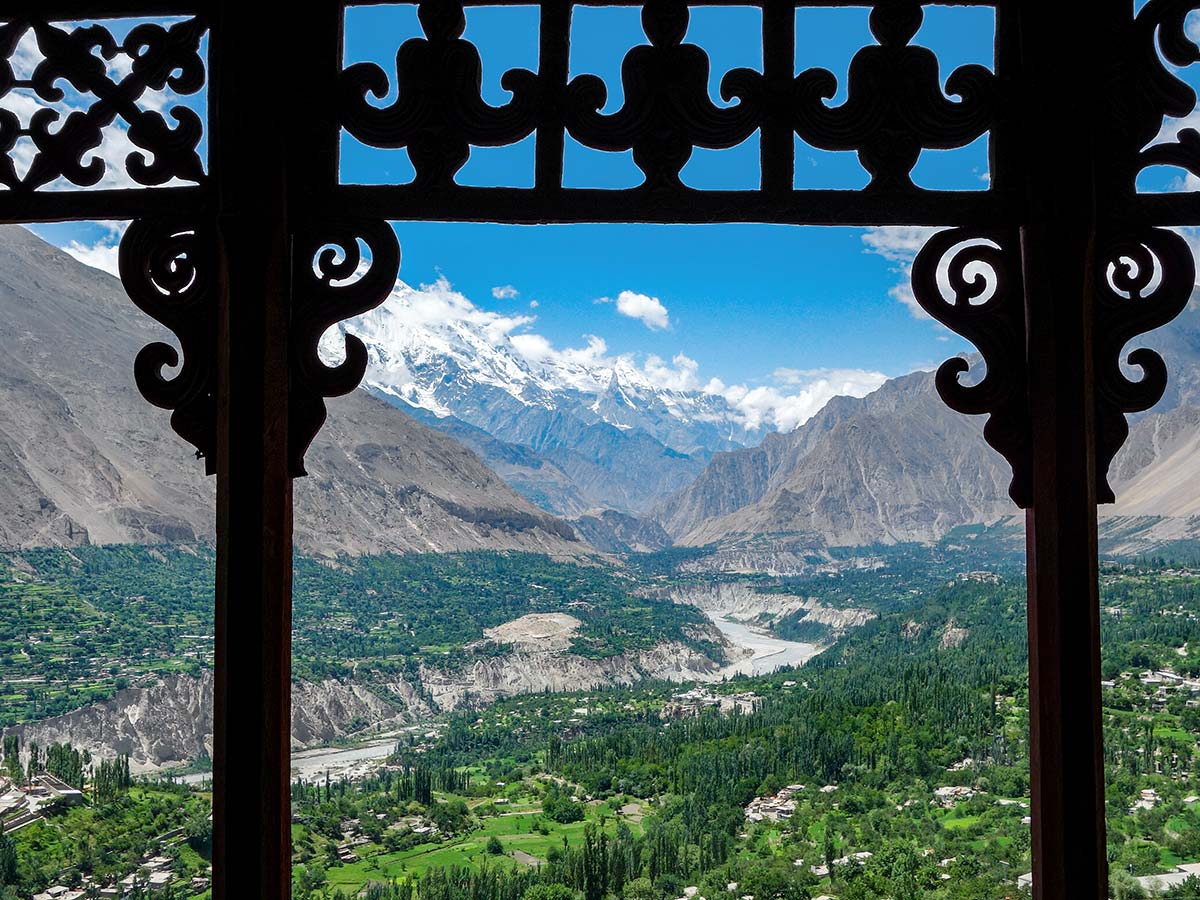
(169,723)
(894,466)
(578,437)
(529,473)
(613,532)
(1157,482)
(898,465)
(619,440)
(1158,470)
(84,458)
(741,602)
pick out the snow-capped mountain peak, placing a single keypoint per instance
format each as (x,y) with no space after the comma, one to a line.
(432,348)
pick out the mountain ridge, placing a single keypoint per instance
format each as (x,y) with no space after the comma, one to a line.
(898,465)
(70,474)
(604,434)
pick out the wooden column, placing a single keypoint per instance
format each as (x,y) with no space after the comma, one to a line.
(251,58)
(1063,108)
(1066,741)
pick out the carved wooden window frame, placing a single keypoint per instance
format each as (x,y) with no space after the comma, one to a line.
(1050,272)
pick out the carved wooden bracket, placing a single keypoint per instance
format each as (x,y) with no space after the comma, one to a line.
(970,281)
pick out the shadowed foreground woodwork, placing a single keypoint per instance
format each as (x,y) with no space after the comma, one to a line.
(250,255)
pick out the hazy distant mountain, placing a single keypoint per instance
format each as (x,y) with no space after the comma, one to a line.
(529,473)
(84,458)
(615,532)
(619,440)
(898,465)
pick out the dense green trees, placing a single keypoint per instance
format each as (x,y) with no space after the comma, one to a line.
(892,711)
(8,860)
(76,627)
(67,764)
(106,840)
(929,694)
(12,757)
(111,779)
(559,806)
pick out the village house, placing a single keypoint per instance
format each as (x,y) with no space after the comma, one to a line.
(23,806)
(692,703)
(858,858)
(59,892)
(772,809)
(1147,799)
(948,796)
(1164,883)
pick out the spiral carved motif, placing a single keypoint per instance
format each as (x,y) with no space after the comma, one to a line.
(159,57)
(1145,280)
(333,280)
(982,300)
(169,270)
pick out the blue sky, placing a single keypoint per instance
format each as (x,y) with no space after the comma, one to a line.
(743,301)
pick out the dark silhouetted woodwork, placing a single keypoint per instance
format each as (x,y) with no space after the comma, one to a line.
(1050,272)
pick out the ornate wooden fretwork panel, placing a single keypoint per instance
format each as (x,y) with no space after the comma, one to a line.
(158,57)
(899,103)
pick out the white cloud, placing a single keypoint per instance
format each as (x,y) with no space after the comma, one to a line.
(646,309)
(538,350)
(99,256)
(435,315)
(533,304)
(900,245)
(795,396)
(798,395)
(681,374)
(438,303)
(791,409)
(505,292)
(102,254)
(534,347)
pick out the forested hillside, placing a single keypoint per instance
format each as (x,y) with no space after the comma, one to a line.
(903,755)
(77,626)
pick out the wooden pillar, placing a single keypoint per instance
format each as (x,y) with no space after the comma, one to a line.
(1066,740)
(1063,109)
(251,756)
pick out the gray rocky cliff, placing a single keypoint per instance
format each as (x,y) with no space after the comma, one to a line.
(83,458)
